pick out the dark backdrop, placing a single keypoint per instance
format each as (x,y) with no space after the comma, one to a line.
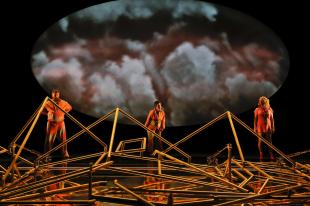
(23,23)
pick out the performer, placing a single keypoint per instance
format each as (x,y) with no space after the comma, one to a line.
(155,121)
(55,122)
(264,124)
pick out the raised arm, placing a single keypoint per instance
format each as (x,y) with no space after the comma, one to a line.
(67,107)
(49,107)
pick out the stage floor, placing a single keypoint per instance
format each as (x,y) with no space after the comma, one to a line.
(130,179)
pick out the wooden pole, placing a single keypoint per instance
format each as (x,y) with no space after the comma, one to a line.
(235,136)
(24,141)
(202,171)
(144,201)
(113,134)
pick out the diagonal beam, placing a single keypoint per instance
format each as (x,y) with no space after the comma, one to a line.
(112,134)
(235,135)
(202,171)
(144,201)
(264,140)
(174,146)
(77,135)
(253,197)
(159,137)
(24,141)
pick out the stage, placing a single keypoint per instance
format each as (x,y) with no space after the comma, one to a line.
(126,173)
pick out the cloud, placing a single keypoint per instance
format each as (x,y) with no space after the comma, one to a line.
(197,75)
(203,85)
(71,50)
(242,92)
(190,76)
(131,74)
(258,63)
(107,94)
(109,11)
(123,85)
(188,64)
(135,9)
(39,59)
(158,81)
(196,80)
(65,75)
(136,46)
(64,23)
(197,8)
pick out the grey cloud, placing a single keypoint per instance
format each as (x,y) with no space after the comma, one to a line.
(189,7)
(64,23)
(72,50)
(135,45)
(158,80)
(196,77)
(107,94)
(242,92)
(190,75)
(39,59)
(133,9)
(188,64)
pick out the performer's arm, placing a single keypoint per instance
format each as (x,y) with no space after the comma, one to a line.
(272,123)
(163,126)
(49,107)
(255,121)
(148,119)
(67,107)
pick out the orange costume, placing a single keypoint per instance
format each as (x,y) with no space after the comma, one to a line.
(55,124)
(156,121)
(264,124)
(264,120)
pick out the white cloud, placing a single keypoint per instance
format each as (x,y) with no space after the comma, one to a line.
(107,94)
(65,75)
(130,84)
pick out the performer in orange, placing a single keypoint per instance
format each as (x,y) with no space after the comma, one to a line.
(55,122)
(155,121)
(264,124)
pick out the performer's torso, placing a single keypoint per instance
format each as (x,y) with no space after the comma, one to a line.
(263,119)
(156,119)
(54,113)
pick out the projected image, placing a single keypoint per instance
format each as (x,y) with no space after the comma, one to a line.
(198,59)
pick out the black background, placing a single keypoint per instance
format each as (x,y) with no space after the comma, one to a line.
(23,23)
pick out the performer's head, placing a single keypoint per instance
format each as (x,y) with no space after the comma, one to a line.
(55,94)
(263,102)
(157,105)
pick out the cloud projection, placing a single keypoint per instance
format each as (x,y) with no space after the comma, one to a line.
(199,59)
